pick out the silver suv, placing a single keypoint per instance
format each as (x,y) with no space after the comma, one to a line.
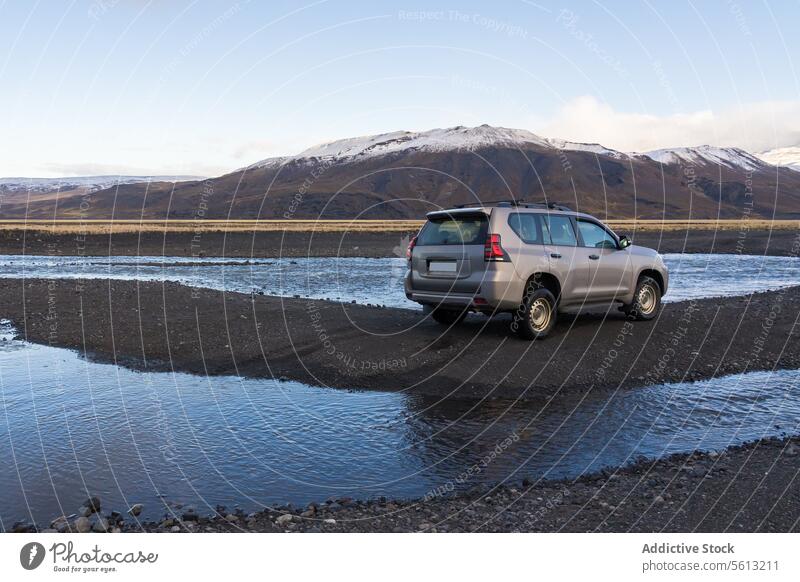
(530,260)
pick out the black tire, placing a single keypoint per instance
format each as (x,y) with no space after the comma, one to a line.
(646,300)
(448,316)
(537,314)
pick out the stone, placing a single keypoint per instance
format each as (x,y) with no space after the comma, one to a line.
(136,509)
(93,504)
(231,518)
(82,524)
(284,519)
(100,525)
(190,515)
(58,521)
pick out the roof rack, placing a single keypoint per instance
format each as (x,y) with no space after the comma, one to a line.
(517,203)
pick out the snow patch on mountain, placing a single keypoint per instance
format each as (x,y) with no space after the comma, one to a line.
(734,158)
(788,157)
(92,183)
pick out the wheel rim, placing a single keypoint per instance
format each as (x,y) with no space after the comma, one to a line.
(647,299)
(540,314)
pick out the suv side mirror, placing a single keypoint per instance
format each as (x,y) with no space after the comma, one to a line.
(624,242)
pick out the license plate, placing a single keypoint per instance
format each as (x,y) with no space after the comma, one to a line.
(442,266)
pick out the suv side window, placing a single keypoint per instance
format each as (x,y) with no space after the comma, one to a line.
(595,236)
(559,230)
(527,227)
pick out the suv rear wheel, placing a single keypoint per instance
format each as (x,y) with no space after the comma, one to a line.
(536,316)
(646,300)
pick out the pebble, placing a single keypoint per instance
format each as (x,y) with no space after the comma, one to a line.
(136,509)
(284,519)
(82,524)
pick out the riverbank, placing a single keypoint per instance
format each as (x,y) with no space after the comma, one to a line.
(748,488)
(166,327)
(352,243)
(751,488)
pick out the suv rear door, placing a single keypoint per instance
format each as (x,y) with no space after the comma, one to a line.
(448,255)
(565,257)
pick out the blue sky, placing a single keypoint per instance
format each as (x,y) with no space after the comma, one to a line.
(128,86)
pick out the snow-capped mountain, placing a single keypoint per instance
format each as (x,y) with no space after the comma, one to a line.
(788,157)
(734,158)
(457,139)
(90,183)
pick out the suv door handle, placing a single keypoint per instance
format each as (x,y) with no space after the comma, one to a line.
(555,255)
(594,257)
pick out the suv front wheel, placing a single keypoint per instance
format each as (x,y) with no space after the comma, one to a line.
(536,316)
(646,300)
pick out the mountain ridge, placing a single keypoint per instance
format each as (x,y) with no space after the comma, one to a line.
(406,174)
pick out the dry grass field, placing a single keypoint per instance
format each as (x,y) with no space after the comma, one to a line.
(89,227)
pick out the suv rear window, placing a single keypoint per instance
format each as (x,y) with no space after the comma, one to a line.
(527,227)
(455,230)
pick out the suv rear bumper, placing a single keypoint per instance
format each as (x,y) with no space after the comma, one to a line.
(493,295)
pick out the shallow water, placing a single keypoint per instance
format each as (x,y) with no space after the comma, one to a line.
(68,426)
(378,281)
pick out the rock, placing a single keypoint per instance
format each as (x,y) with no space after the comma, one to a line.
(100,525)
(190,515)
(82,524)
(231,518)
(791,450)
(49,530)
(284,519)
(61,519)
(175,529)
(136,509)
(330,521)
(169,522)
(22,527)
(308,513)
(93,504)
(658,499)
(698,471)
(85,511)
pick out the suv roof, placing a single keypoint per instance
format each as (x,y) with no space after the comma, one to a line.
(505,204)
(516,203)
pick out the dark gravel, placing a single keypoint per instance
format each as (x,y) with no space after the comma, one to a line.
(169,326)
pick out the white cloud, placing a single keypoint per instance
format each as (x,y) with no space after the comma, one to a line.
(753,126)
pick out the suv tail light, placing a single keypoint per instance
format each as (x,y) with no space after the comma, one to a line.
(410,248)
(493,250)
